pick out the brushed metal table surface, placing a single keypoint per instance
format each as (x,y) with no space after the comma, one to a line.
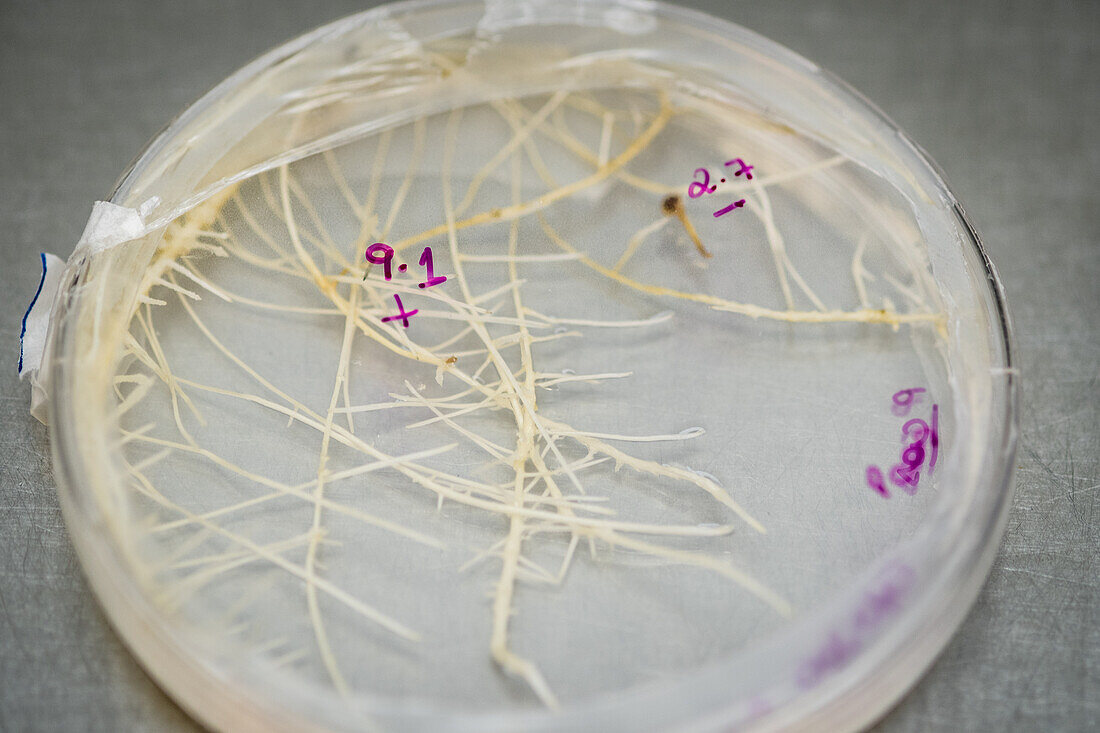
(1003,95)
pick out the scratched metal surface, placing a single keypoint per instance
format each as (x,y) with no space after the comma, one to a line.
(1002,94)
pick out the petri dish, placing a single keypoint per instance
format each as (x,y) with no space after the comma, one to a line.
(532,366)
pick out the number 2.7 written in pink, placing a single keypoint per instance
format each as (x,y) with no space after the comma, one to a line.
(703,187)
(381,253)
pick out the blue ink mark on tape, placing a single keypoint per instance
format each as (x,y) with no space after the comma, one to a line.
(23,330)
(36,321)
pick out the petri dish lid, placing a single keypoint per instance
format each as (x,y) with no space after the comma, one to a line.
(532,366)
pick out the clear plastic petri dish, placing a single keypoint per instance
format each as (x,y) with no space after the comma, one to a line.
(532,366)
